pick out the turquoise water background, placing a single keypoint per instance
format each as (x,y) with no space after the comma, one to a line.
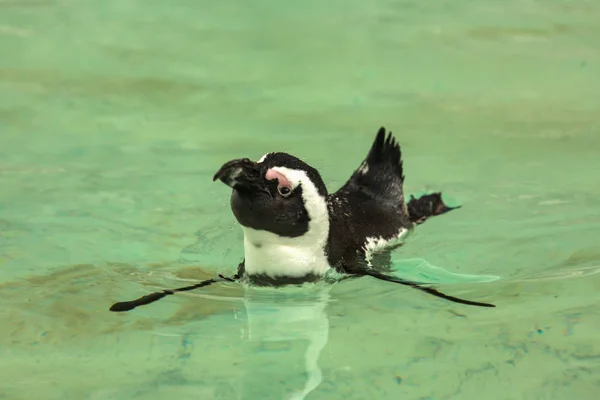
(115,114)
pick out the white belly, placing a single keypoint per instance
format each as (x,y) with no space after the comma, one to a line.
(275,256)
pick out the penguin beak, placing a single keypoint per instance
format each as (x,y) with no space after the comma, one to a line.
(240,174)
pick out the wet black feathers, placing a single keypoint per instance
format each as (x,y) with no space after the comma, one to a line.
(386,153)
(381,174)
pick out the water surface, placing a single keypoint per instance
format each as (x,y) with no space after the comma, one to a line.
(114,115)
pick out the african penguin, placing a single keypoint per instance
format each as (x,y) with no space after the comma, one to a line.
(296,232)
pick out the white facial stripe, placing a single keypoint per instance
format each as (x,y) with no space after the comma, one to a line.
(281,179)
(263,158)
(296,177)
(315,204)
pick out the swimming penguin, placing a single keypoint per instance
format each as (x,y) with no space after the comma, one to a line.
(296,232)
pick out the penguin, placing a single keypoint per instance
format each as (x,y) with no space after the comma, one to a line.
(296,232)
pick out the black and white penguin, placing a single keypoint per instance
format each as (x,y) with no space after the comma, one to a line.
(296,232)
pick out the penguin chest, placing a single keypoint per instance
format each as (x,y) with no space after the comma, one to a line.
(275,256)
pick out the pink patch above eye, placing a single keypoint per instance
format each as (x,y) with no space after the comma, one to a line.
(282,181)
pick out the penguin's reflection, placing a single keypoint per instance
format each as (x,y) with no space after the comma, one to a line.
(286,331)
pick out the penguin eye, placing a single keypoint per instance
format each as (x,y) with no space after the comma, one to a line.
(284,191)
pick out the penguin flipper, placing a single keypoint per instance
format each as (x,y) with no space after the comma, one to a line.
(123,306)
(426,289)
(426,206)
(380,176)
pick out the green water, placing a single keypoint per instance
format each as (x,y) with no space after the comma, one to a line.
(115,114)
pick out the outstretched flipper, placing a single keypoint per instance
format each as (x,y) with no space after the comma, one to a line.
(426,289)
(427,206)
(152,297)
(380,177)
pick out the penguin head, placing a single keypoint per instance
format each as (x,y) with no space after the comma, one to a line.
(280,194)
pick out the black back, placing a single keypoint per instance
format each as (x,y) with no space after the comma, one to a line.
(369,205)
